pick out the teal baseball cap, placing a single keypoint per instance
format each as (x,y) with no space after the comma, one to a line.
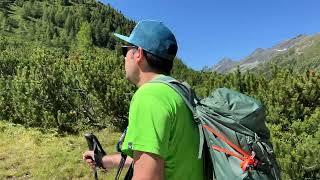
(153,37)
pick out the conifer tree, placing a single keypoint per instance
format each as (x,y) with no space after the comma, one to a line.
(84,37)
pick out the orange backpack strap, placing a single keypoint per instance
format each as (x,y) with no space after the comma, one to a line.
(247,159)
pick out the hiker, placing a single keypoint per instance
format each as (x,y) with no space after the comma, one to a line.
(162,140)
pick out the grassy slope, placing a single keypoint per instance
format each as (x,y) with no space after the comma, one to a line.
(28,153)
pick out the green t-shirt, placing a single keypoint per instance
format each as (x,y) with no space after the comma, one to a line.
(161,123)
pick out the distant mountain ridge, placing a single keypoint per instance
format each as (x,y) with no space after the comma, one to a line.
(224,65)
(262,56)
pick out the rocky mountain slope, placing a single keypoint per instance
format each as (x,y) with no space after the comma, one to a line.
(262,57)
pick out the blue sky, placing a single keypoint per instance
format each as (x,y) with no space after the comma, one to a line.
(208,30)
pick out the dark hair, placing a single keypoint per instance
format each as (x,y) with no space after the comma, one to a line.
(158,64)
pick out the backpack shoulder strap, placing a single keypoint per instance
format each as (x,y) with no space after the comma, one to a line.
(189,97)
(183,89)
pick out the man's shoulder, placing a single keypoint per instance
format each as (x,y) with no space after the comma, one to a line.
(154,88)
(157,93)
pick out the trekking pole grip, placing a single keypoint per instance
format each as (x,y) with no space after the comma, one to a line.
(90,142)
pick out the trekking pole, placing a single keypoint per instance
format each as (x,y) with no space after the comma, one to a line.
(95,146)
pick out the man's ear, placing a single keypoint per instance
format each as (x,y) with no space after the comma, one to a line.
(139,55)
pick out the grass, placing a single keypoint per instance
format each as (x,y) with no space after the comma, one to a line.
(27,153)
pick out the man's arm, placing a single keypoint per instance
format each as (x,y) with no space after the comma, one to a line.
(113,161)
(108,161)
(147,166)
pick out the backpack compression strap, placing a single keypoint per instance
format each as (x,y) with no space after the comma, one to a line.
(247,159)
(189,97)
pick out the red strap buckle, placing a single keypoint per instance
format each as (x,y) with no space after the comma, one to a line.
(248,162)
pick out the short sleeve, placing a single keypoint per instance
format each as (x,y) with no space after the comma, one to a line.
(149,126)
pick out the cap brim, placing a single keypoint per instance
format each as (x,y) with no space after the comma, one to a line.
(125,38)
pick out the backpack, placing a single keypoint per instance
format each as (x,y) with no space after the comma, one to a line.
(234,139)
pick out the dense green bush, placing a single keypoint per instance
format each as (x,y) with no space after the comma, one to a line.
(51,89)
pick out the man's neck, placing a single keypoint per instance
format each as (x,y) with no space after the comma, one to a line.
(146,77)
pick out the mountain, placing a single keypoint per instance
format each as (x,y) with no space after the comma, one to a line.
(224,65)
(260,58)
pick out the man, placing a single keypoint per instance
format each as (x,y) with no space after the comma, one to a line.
(162,138)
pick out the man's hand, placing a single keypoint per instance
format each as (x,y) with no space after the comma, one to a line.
(108,162)
(88,157)
(148,166)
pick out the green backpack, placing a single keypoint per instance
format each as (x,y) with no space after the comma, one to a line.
(234,139)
